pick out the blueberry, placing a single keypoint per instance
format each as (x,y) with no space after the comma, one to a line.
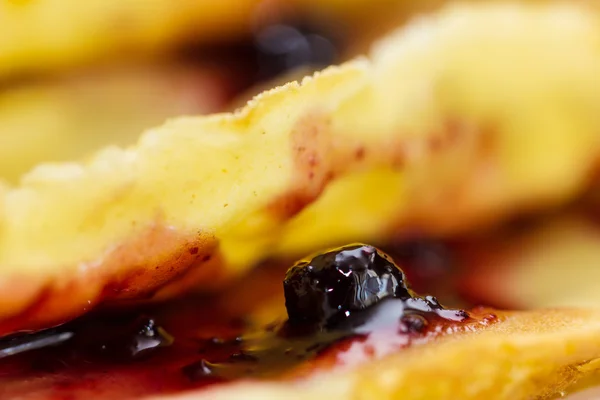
(334,284)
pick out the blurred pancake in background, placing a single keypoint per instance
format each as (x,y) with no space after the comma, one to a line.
(67,118)
(551,261)
(49,35)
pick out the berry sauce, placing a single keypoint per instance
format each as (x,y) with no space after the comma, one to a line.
(345,307)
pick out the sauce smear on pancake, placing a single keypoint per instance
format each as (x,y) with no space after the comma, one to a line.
(345,306)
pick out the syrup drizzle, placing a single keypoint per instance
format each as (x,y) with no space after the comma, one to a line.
(345,293)
(270,353)
(193,344)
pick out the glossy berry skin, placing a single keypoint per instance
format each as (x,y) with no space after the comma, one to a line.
(333,284)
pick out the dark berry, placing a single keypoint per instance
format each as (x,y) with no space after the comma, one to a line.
(335,283)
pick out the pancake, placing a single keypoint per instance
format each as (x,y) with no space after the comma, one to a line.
(426,136)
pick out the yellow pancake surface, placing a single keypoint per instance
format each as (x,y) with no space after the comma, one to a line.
(528,355)
(461,119)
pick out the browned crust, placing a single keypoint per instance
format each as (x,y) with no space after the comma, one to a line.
(311,151)
(141,268)
(320,158)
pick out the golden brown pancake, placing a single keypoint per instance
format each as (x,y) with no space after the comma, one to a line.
(424,136)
